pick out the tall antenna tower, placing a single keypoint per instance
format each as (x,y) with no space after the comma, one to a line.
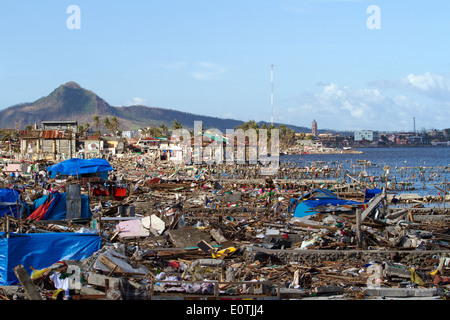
(271,92)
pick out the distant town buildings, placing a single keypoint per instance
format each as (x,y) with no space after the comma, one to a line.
(367,135)
(60,140)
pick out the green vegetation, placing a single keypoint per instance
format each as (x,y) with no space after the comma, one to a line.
(286,136)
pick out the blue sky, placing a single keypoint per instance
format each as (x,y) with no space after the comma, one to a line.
(213,58)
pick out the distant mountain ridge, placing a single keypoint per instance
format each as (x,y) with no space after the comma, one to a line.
(72,102)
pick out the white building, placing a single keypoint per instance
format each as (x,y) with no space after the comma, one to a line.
(367,135)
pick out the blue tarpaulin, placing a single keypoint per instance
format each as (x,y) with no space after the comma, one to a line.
(41,250)
(319,197)
(57,211)
(306,207)
(371,193)
(8,202)
(78,167)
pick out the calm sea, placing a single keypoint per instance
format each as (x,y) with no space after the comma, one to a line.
(420,170)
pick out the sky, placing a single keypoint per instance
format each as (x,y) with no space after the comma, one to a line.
(348,64)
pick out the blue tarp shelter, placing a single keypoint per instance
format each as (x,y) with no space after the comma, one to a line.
(8,200)
(57,210)
(371,193)
(79,167)
(319,197)
(41,250)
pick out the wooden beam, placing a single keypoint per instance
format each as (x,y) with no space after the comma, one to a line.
(110,264)
(372,205)
(358,228)
(31,290)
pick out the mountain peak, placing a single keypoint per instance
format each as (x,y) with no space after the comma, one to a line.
(72,85)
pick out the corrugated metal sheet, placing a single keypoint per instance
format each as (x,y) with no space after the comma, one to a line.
(52,134)
(46,134)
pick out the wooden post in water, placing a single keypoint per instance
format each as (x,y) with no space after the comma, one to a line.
(445,190)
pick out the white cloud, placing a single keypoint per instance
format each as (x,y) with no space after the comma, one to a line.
(345,108)
(431,85)
(207,70)
(137,101)
(427,81)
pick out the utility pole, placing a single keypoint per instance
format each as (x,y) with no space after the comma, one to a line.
(271,92)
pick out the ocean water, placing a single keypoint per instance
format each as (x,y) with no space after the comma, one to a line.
(419,170)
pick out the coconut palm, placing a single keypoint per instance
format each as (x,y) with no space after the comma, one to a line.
(176,125)
(107,124)
(164,129)
(114,123)
(154,131)
(96,121)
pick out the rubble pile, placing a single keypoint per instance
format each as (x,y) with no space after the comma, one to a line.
(190,231)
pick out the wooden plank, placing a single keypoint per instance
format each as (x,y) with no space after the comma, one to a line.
(110,264)
(31,290)
(358,228)
(373,204)
(206,247)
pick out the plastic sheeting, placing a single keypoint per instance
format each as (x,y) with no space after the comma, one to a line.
(8,202)
(306,208)
(58,210)
(78,167)
(41,250)
(319,197)
(371,193)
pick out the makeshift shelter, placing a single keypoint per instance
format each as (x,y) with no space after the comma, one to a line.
(81,167)
(40,250)
(9,202)
(316,198)
(53,207)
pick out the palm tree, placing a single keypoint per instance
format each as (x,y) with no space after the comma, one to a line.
(252,124)
(83,129)
(107,124)
(144,131)
(114,124)
(287,137)
(154,131)
(96,121)
(164,129)
(176,125)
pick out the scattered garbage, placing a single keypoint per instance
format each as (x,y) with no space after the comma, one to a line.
(153,229)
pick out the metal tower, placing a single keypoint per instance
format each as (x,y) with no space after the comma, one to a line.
(271,92)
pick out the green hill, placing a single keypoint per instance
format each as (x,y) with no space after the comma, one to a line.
(72,102)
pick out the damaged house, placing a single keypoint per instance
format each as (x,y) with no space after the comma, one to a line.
(56,140)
